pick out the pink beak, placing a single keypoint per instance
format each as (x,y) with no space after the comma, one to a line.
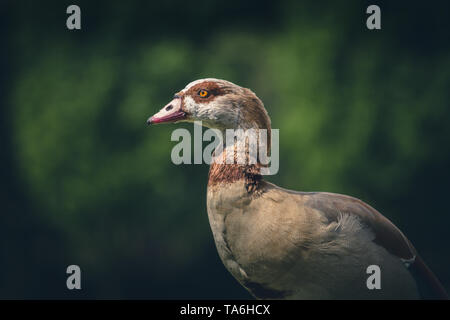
(172,112)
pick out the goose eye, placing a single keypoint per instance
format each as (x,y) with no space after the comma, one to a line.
(203,93)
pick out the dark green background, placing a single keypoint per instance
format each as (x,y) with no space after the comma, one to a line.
(85,182)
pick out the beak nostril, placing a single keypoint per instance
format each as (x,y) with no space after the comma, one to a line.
(170,107)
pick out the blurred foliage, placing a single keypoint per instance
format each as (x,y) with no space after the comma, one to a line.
(85,182)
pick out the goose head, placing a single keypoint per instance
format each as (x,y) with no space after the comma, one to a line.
(218,104)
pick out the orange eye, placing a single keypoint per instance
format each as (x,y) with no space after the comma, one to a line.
(203,93)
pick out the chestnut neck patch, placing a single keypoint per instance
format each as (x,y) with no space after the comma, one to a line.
(228,173)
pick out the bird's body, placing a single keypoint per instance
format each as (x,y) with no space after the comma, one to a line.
(282,244)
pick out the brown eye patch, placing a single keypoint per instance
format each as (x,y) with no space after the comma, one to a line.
(206,91)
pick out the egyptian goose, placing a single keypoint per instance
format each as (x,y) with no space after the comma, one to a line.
(282,244)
